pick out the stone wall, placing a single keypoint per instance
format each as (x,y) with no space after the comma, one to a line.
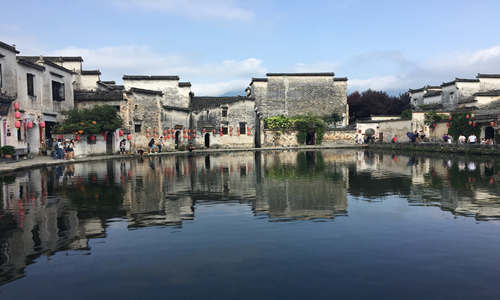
(276,138)
(388,129)
(339,137)
(301,94)
(210,118)
(147,113)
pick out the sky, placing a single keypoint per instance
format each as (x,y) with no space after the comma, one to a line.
(219,45)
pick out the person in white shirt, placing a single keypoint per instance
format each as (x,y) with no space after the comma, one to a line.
(472,139)
(461,139)
(450,139)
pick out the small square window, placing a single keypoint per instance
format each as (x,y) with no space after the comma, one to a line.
(243,128)
(137,128)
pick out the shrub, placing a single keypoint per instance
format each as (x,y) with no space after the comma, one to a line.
(91,120)
(10,150)
(406,114)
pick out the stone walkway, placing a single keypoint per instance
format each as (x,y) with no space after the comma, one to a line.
(44,161)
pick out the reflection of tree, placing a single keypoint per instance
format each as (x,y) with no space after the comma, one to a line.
(95,199)
(366,185)
(309,164)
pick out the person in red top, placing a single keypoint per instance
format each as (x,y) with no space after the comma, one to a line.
(395,139)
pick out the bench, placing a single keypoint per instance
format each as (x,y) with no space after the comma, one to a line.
(22,152)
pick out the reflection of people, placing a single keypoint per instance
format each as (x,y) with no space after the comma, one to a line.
(471,166)
(190,147)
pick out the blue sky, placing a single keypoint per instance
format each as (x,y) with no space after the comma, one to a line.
(219,45)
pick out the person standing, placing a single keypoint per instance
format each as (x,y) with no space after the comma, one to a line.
(123,144)
(160,145)
(151,145)
(461,139)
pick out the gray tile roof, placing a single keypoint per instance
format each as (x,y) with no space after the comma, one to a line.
(147,77)
(329,74)
(144,91)
(8,47)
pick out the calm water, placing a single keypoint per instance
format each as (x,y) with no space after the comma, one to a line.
(273,225)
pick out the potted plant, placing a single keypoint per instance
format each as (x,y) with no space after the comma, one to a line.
(8,151)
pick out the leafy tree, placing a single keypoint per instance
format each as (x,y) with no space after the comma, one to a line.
(460,125)
(91,120)
(334,118)
(432,117)
(372,102)
(406,114)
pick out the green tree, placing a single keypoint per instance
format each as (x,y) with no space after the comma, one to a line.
(91,120)
(459,124)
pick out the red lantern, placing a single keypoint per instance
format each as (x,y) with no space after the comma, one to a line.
(450,118)
(30,124)
(60,136)
(498,132)
(165,137)
(474,123)
(16,106)
(92,137)
(120,132)
(470,123)
(17,115)
(42,124)
(221,131)
(17,124)
(189,130)
(164,132)
(448,124)
(248,130)
(238,130)
(492,124)
(213,131)
(467,116)
(78,138)
(129,137)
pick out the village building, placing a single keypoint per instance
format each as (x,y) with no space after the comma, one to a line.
(417,95)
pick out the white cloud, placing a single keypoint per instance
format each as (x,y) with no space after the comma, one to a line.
(316,67)
(223,9)
(213,78)
(393,71)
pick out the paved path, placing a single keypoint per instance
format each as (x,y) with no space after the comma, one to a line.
(43,161)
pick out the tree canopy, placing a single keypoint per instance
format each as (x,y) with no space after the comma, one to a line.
(91,120)
(370,102)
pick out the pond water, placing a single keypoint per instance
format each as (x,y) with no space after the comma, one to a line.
(271,225)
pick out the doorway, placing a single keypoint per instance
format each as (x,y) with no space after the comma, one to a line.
(489,133)
(207,140)
(109,143)
(177,134)
(310,140)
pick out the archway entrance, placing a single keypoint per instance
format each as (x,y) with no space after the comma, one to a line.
(207,140)
(489,133)
(177,134)
(109,143)
(310,140)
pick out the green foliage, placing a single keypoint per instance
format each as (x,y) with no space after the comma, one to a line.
(8,179)
(460,125)
(432,117)
(333,119)
(303,124)
(279,123)
(8,150)
(406,114)
(90,120)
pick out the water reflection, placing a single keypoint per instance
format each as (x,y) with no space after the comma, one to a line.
(47,210)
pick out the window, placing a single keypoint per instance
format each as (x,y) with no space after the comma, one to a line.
(224,111)
(57,91)
(117,107)
(224,130)
(30,79)
(243,128)
(137,128)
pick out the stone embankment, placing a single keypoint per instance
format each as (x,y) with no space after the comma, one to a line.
(46,161)
(439,147)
